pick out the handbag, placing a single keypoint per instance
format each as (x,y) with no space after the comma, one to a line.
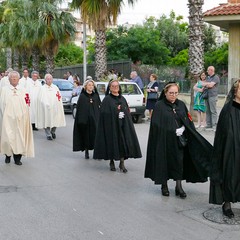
(204,94)
(152,95)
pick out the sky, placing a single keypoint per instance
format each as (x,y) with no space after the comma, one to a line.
(147,8)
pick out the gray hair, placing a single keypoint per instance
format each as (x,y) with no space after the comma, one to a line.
(34,72)
(48,75)
(10,75)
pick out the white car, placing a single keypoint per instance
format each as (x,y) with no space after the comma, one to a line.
(132,93)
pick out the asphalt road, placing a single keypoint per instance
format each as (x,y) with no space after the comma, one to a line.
(59,195)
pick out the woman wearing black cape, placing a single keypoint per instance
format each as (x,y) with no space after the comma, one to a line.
(225,171)
(86,118)
(116,138)
(167,158)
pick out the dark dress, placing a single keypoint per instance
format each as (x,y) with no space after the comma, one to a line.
(225,171)
(115,138)
(151,102)
(86,119)
(165,159)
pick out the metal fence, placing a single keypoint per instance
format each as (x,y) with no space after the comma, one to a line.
(174,73)
(164,73)
(123,67)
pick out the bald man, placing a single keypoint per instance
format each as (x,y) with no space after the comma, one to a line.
(211,103)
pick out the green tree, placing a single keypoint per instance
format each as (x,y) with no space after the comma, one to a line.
(99,14)
(209,37)
(68,54)
(181,59)
(173,33)
(52,28)
(139,43)
(36,25)
(217,57)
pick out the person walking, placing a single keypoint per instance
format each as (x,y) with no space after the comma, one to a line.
(199,105)
(211,103)
(116,138)
(175,149)
(50,113)
(25,80)
(86,119)
(225,174)
(33,87)
(16,138)
(5,79)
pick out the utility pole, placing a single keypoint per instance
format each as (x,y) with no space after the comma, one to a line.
(84,52)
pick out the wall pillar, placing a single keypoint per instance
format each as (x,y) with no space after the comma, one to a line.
(234,54)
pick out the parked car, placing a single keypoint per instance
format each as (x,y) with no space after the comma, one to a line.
(132,93)
(65,88)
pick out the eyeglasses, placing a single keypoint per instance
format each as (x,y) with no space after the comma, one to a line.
(173,93)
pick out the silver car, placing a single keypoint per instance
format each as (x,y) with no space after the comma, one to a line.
(65,88)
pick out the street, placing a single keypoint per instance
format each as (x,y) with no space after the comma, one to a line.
(59,195)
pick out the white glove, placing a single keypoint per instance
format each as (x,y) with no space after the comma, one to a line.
(121,115)
(179,131)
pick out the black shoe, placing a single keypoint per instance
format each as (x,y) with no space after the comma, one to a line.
(19,163)
(165,191)
(8,159)
(180,193)
(227,212)
(86,154)
(122,167)
(49,138)
(54,135)
(34,127)
(112,166)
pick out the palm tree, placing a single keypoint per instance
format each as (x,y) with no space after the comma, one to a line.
(8,50)
(196,42)
(38,25)
(52,28)
(99,14)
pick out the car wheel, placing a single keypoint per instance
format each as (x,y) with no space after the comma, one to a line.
(74,111)
(137,118)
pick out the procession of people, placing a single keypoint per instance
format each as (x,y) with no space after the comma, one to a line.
(175,149)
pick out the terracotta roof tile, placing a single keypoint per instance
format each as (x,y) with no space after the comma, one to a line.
(224,9)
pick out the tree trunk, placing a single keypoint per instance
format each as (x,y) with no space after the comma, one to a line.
(24,58)
(49,61)
(36,58)
(16,59)
(196,43)
(100,54)
(9,57)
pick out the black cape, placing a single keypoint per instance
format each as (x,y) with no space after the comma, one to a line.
(163,148)
(225,171)
(115,138)
(86,119)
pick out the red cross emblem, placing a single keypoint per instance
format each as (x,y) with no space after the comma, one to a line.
(27,99)
(58,95)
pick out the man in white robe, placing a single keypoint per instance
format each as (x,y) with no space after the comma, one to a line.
(5,80)
(33,87)
(16,136)
(25,80)
(50,113)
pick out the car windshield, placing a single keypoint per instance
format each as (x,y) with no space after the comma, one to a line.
(129,89)
(64,85)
